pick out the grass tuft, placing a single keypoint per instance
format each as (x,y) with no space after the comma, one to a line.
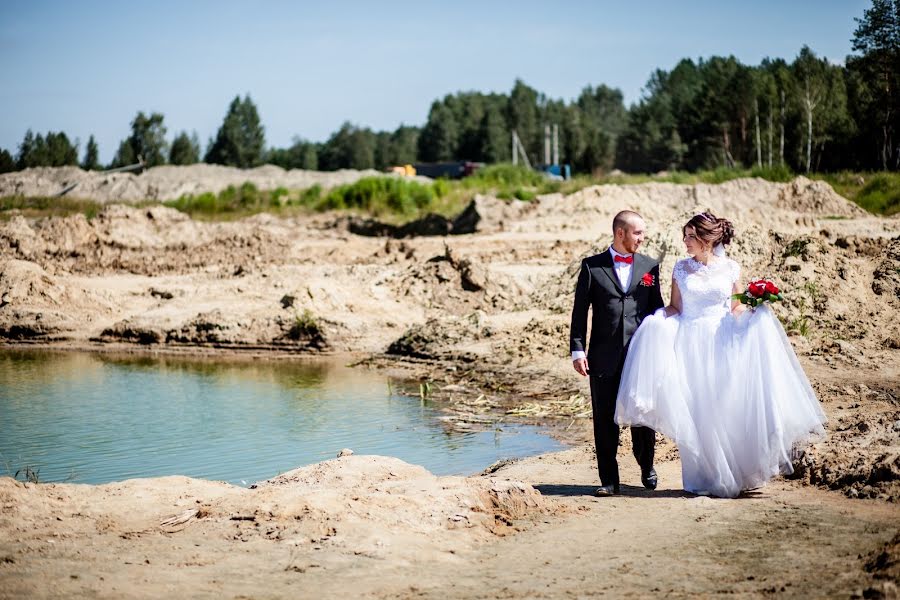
(305,327)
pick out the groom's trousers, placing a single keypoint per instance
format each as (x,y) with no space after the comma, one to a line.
(604,389)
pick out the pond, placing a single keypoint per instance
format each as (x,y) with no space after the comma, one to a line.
(96,418)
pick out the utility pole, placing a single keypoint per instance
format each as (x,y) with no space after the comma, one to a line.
(546,144)
(555,144)
(518,147)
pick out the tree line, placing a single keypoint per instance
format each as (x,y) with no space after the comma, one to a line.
(804,115)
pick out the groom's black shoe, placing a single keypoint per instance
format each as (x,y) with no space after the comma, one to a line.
(649,479)
(607,490)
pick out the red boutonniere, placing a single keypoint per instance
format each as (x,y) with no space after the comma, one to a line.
(647,280)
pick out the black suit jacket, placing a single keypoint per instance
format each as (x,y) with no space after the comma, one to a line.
(616,313)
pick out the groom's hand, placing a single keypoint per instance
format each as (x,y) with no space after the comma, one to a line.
(581,366)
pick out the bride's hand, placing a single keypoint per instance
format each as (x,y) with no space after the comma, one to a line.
(738,310)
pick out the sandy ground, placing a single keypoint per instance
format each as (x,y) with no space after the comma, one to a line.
(375,527)
(483,317)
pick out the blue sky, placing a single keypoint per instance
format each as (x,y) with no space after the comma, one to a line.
(87,67)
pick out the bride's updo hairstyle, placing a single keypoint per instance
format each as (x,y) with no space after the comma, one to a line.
(710,229)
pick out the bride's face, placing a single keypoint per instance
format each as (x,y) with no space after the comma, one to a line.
(693,244)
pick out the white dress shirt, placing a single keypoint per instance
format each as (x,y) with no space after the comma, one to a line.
(623,273)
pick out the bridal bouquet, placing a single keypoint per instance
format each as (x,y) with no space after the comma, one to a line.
(758,292)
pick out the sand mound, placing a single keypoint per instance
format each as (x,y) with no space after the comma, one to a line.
(431,503)
(372,506)
(163,183)
(754,200)
(142,241)
(817,198)
(34,304)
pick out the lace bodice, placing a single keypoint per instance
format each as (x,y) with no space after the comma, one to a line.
(705,289)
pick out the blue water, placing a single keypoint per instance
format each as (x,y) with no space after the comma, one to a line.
(91,418)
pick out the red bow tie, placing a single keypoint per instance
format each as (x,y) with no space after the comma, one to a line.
(624,259)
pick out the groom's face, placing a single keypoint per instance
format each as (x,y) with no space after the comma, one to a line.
(632,236)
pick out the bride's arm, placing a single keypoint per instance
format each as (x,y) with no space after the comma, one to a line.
(736,306)
(674,307)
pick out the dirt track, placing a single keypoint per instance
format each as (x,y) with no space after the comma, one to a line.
(484,316)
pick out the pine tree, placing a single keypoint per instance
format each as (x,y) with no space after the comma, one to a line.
(7,162)
(27,150)
(240,141)
(91,160)
(185,150)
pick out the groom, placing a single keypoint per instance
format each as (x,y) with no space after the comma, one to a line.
(622,288)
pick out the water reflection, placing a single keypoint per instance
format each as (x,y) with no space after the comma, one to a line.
(107,418)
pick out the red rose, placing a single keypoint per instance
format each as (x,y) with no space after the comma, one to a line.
(757,288)
(771,288)
(647,279)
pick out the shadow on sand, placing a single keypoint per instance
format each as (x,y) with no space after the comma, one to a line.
(549,489)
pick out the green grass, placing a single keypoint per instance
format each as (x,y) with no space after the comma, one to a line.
(877,192)
(46,206)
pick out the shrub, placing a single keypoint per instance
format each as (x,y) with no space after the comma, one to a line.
(305,327)
(380,194)
(311,196)
(279,197)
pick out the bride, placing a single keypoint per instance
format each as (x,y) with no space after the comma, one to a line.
(722,382)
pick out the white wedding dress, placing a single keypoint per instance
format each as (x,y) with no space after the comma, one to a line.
(728,390)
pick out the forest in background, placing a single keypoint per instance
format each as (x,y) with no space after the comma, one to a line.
(806,115)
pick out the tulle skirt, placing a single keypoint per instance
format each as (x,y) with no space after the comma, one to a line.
(729,391)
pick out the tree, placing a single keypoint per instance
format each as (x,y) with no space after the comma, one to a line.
(652,142)
(147,142)
(603,118)
(54,150)
(468,112)
(494,137)
(822,96)
(404,145)
(185,150)
(300,155)
(240,140)
(522,116)
(27,150)
(125,155)
(440,135)
(7,162)
(91,160)
(350,147)
(877,38)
